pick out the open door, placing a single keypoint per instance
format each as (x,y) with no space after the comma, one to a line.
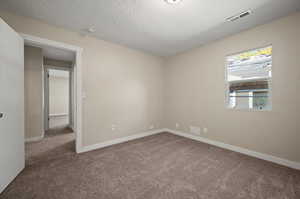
(12,159)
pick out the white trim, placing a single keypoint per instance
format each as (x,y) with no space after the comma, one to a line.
(270,90)
(37,41)
(35,139)
(78,100)
(71,127)
(46,93)
(270,158)
(44,86)
(46,98)
(57,67)
(58,115)
(119,140)
(71,97)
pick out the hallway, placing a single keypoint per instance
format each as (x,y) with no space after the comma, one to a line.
(58,142)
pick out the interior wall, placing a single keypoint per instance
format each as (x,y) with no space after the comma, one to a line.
(59,95)
(123,87)
(33,87)
(58,101)
(195,91)
(126,88)
(61,120)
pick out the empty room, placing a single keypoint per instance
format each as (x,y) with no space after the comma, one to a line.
(160,99)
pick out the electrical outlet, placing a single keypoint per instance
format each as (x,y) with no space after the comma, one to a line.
(83,95)
(151,127)
(113,127)
(205,130)
(177,125)
(195,130)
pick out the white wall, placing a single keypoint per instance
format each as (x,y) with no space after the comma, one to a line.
(122,86)
(127,88)
(59,99)
(33,72)
(195,91)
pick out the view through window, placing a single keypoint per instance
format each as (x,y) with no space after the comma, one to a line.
(249,79)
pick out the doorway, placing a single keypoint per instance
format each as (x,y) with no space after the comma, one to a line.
(58,99)
(62,60)
(12,113)
(49,95)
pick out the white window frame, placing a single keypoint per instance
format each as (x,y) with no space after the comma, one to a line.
(227,83)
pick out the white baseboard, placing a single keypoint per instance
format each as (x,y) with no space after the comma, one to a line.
(280,161)
(11,178)
(119,140)
(58,115)
(34,139)
(71,127)
(270,158)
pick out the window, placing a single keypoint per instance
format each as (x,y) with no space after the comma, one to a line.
(248,78)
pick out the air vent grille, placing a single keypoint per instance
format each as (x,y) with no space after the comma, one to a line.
(239,16)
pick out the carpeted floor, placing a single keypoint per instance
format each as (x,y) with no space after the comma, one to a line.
(58,143)
(162,166)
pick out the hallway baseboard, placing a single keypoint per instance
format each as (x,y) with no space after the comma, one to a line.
(34,139)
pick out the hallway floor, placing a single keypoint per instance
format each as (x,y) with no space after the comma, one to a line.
(58,142)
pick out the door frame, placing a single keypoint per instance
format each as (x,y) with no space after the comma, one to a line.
(47,95)
(77,78)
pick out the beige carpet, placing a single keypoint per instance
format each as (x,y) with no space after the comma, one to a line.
(162,166)
(58,143)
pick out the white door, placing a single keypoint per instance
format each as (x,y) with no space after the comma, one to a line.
(11,104)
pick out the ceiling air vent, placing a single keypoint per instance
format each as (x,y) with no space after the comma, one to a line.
(239,16)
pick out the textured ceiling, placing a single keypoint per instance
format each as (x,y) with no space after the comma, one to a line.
(153,25)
